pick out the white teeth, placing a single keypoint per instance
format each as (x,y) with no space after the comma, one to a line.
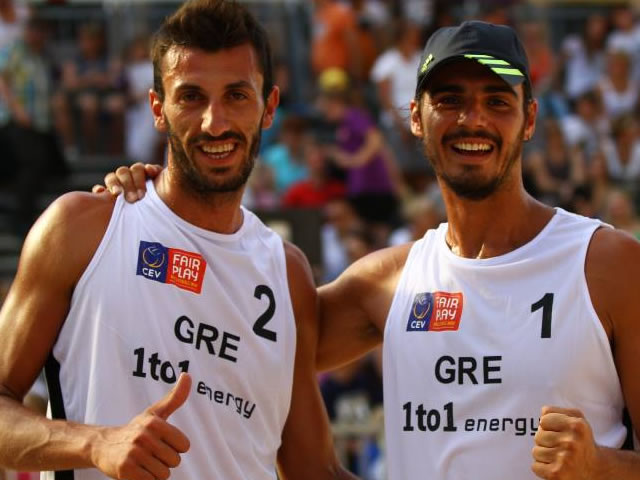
(227,147)
(473,147)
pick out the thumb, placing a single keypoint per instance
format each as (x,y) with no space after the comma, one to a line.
(174,399)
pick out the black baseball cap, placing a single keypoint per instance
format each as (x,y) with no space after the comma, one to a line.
(495,46)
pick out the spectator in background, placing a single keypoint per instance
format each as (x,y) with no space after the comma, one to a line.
(420,213)
(260,193)
(599,183)
(350,394)
(341,218)
(625,36)
(285,158)
(367,41)
(30,146)
(335,38)
(583,56)
(535,40)
(352,391)
(360,150)
(557,170)
(13,17)
(618,89)
(622,152)
(588,125)
(92,85)
(143,143)
(377,15)
(394,75)
(319,188)
(620,212)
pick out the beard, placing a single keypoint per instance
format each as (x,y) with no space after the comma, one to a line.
(467,185)
(209,180)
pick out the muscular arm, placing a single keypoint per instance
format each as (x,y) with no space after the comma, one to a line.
(54,256)
(613,276)
(307,446)
(56,252)
(354,307)
(564,444)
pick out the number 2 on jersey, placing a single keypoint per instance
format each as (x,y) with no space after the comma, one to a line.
(546,303)
(259,327)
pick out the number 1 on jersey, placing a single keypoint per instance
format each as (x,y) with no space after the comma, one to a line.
(546,303)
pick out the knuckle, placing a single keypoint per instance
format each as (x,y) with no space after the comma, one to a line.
(122,170)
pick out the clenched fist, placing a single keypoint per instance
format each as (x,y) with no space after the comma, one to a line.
(148,446)
(564,446)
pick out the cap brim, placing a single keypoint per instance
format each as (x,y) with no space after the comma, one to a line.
(510,74)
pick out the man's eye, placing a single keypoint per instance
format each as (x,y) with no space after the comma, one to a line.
(498,102)
(238,95)
(450,100)
(190,97)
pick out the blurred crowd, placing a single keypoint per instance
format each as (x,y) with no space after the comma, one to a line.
(346,151)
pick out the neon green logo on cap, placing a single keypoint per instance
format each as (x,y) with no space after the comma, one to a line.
(426,63)
(501,67)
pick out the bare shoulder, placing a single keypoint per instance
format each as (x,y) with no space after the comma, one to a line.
(56,252)
(613,276)
(70,229)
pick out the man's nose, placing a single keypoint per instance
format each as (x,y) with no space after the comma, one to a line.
(473,114)
(215,120)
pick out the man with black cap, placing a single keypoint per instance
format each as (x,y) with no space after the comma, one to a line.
(511,330)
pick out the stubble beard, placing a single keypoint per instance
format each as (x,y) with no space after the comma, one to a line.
(206,183)
(467,185)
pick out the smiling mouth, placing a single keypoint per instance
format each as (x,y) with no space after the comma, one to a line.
(219,151)
(474,149)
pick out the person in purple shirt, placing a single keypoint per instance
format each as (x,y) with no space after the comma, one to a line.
(360,149)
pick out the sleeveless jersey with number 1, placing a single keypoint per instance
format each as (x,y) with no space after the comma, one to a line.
(161,296)
(473,348)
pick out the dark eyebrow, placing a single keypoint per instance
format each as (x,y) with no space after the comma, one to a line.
(188,86)
(446,88)
(239,84)
(230,86)
(505,88)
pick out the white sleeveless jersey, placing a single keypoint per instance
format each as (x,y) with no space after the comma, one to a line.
(161,296)
(473,348)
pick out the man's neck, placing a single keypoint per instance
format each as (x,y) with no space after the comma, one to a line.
(216,212)
(494,226)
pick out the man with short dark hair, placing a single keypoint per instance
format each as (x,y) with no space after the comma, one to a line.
(185,288)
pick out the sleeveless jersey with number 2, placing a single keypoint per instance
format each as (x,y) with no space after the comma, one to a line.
(473,348)
(161,296)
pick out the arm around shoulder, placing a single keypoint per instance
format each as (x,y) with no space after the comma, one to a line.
(354,307)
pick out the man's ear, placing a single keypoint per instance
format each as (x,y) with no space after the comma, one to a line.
(416,119)
(157,109)
(530,120)
(270,107)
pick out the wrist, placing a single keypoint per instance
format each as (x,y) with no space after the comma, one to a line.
(92,443)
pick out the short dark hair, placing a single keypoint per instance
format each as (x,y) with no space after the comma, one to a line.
(211,25)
